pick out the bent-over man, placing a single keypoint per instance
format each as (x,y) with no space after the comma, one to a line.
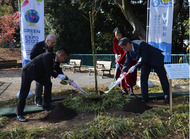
(40,69)
(148,58)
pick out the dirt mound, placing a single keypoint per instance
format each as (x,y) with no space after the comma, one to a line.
(136,106)
(60,113)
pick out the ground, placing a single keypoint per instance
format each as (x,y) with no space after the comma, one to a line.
(35,118)
(10,54)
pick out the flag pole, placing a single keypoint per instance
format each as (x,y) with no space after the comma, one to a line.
(147,20)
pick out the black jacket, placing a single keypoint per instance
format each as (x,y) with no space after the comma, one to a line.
(38,49)
(43,65)
(149,55)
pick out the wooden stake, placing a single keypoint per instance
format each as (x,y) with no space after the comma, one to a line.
(170,81)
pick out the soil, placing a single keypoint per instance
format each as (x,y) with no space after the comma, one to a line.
(136,106)
(11,54)
(60,113)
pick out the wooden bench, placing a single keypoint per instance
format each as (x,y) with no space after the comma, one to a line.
(73,65)
(102,66)
(8,64)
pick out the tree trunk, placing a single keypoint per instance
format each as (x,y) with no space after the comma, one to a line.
(138,29)
(177,6)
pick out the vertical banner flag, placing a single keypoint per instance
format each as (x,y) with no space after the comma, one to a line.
(32,26)
(160,26)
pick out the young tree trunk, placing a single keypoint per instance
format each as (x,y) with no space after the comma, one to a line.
(93,48)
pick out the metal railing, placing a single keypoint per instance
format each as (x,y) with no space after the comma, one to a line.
(87,60)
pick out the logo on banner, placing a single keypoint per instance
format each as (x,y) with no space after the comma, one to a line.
(32,17)
(26,2)
(155,3)
(165,2)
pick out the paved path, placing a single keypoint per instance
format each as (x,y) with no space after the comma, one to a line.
(10,81)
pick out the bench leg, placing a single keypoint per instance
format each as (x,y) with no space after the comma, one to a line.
(102,74)
(89,72)
(73,70)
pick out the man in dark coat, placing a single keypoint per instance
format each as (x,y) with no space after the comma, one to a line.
(40,69)
(39,48)
(148,58)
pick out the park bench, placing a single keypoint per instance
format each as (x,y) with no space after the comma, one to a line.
(8,64)
(102,66)
(73,65)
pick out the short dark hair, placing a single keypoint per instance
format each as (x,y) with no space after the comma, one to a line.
(124,41)
(62,52)
(119,30)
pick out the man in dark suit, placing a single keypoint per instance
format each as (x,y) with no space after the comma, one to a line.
(148,58)
(39,48)
(40,69)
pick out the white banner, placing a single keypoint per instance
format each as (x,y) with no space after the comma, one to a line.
(32,26)
(160,26)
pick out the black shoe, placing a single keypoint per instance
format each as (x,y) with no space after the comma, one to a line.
(145,100)
(21,118)
(126,91)
(166,99)
(38,104)
(47,106)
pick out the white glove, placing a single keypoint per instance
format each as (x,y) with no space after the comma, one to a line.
(118,81)
(61,76)
(116,56)
(132,69)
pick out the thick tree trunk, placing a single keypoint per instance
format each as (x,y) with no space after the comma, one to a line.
(177,6)
(138,29)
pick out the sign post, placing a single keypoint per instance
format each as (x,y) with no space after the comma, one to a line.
(176,71)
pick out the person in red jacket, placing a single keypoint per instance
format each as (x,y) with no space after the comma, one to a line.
(120,56)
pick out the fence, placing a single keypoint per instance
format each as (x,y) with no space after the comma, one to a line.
(87,59)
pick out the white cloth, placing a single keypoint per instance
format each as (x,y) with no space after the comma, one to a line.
(61,76)
(132,69)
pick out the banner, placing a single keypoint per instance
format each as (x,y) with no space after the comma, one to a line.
(160,26)
(31,26)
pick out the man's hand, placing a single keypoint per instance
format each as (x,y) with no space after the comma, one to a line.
(61,76)
(132,69)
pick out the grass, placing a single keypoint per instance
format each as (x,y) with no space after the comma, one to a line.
(153,123)
(95,102)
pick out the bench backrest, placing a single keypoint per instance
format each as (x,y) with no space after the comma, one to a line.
(107,64)
(75,62)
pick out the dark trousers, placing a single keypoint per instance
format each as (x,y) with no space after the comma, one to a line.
(161,72)
(38,93)
(25,88)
